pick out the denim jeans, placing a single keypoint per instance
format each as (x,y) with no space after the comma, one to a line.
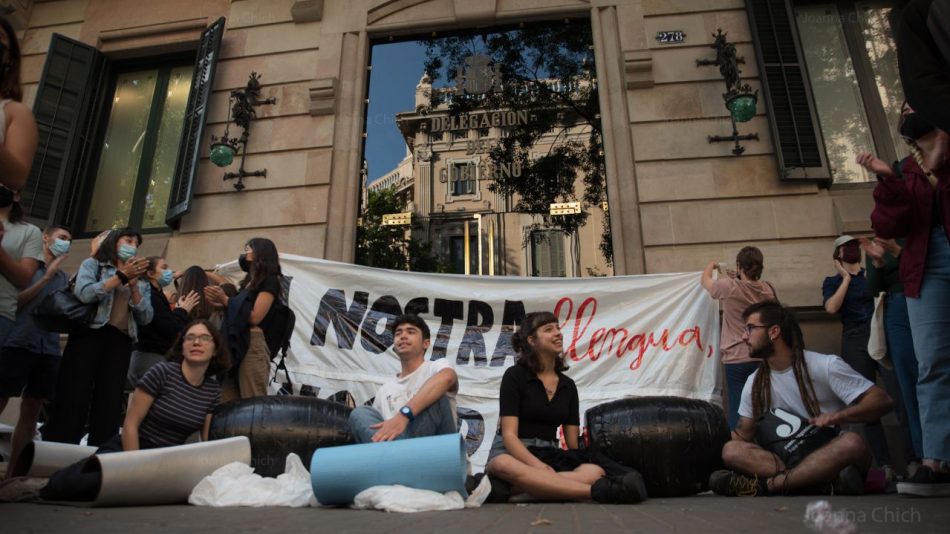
(435,420)
(736,376)
(900,347)
(6,326)
(854,350)
(930,326)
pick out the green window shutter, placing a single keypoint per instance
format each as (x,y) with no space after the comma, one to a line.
(795,132)
(66,108)
(189,151)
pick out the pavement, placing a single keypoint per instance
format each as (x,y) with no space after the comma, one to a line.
(696,515)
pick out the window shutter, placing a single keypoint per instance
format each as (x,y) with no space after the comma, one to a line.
(189,151)
(795,132)
(556,252)
(65,108)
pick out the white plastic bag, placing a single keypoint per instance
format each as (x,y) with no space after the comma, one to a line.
(877,341)
(236,485)
(406,500)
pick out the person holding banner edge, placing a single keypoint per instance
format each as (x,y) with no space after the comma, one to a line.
(536,398)
(420,401)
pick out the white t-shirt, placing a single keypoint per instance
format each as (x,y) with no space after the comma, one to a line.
(836,386)
(397,393)
(20,240)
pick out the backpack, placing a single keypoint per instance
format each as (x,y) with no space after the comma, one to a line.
(288,320)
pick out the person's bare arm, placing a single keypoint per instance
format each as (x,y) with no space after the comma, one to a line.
(834,302)
(707,279)
(745,429)
(572,436)
(431,391)
(138,409)
(16,153)
(870,406)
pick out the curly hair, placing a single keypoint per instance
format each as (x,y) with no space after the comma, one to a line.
(220,361)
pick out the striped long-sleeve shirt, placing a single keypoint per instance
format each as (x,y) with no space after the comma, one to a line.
(179,408)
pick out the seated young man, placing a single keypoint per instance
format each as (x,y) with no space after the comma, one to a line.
(787,438)
(419,401)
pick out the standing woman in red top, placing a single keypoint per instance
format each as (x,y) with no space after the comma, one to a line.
(912,201)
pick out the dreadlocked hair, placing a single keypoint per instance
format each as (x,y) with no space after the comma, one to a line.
(774,314)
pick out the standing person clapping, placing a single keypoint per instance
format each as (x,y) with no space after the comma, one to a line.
(95,362)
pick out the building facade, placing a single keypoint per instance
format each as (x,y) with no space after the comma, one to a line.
(108,81)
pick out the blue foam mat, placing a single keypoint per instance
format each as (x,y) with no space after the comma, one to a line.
(436,463)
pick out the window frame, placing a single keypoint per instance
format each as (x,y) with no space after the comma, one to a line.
(764,12)
(69,105)
(163,65)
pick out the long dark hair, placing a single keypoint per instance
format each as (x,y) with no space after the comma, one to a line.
(107,252)
(266,263)
(10,77)
(527,355)
(195,279)
(772,314)
(220,361)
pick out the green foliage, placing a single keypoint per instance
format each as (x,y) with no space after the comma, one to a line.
(387,247)
(547,70)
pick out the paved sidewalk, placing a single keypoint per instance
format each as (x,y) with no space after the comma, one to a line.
(695,515)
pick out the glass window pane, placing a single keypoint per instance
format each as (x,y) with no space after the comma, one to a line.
(838,101)
(878,22)
(121,151)
(166,147)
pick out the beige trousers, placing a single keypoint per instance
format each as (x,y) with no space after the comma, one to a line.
(251,378)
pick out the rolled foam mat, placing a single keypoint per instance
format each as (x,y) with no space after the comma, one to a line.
(434,463)
(43,458)
(163,476)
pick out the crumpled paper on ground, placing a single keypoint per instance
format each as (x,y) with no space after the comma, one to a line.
(236,484)
(822,518)
(406,500)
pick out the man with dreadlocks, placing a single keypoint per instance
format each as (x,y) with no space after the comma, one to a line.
(787,437)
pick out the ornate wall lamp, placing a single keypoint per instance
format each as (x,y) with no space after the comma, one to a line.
(242,103)
(739,98)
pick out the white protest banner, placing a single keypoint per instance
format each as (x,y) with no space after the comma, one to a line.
(623,335)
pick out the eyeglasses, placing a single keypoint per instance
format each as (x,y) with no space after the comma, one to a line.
(750,327)
(204,338)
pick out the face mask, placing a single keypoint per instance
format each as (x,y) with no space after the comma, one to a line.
(6,197)
(167,276)
(914,127)
(59,247)
(243,263)
(126,252)
(850,254)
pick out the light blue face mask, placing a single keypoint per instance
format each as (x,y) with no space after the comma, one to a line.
(126,252)
(59,247)
(167,276)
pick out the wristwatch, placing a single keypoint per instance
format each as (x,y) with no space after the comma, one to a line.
(407,411)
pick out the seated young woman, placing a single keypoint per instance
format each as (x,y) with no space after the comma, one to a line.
(171,402)
(536,398)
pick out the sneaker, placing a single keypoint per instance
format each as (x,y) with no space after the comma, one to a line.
(731,484)
(926,483)
(850,481)
(626,489)
(500,490)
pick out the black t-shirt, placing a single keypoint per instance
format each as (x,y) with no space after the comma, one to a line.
(523,396)
(271,325)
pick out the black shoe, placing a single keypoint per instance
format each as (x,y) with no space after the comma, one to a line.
(850,482)
(626,489)
(731,484)
(926,483)
(500,490)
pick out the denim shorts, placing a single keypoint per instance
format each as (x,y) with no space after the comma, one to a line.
(498,445)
